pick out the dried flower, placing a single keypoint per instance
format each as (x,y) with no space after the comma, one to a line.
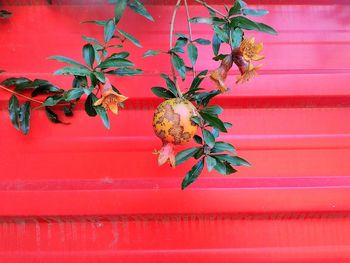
(249,73)
(220,74)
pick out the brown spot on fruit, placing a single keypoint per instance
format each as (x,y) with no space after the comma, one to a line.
(172,121)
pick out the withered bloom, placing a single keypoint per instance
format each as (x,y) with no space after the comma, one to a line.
(220,74)
(248,74)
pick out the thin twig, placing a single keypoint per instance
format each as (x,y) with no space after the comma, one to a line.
(21,95)
(171,46)
(210,7)
(189,32)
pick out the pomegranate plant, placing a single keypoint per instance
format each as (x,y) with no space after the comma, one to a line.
(90,78)
(182,113)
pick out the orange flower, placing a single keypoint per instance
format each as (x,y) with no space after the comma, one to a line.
(249,73)
(110,98)
(250,50)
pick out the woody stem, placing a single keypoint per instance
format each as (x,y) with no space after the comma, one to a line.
(171,46)
(21,95)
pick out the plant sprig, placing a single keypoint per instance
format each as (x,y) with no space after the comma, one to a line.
(228,28)
(90,76)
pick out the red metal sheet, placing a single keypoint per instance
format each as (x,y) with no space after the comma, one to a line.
(80,193)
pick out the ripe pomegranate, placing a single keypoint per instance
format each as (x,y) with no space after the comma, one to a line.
(173,125)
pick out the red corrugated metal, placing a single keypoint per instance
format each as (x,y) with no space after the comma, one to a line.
(80,193)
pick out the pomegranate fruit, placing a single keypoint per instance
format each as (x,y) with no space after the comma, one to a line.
(173,125)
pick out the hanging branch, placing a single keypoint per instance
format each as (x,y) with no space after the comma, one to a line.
(174,126)
(90,77)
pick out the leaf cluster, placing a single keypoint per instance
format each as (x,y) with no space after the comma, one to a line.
(229,28)
(99,60)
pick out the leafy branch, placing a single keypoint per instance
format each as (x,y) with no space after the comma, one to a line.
(227,29)
(90,78)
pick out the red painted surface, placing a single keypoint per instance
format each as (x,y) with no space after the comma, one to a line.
(81,193)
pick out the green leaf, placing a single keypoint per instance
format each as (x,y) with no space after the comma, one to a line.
(192,53)
(109,30)
(198,139)
(202,41)
(242,3)
(236,36)
(91,39)
(89,108)
(88,91)
(196,120)
(71,70)
(177,50)
(52,116)
(193,174)
(119,55)
(52,100)
(212,110)
(97,22)
(234,160)
(227,125)
(67,60)
(254,12)
(114,63)
(245,23)
(24,117)
(222,34)
(15,81)
(139,8)
(179,65)
(199,153)
(97,54)
(215,132)
(13,109)
(209,139)
(119,10)
(181,35)
(216,42)
(224,167)
(223,146)
(79,82)
(220,57)
(213,121)
(131,38)
(150,53)
(103,115)
(5,14)
(68,111)
(100,76)
(162,92)
(184,155)
(204,98)
(89,54)
(46,89)
(170,84)
(211,162)
(125,72)
(198,80)
(73,94)
(208,20)
(181,42)
(235,9)
(31,85)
